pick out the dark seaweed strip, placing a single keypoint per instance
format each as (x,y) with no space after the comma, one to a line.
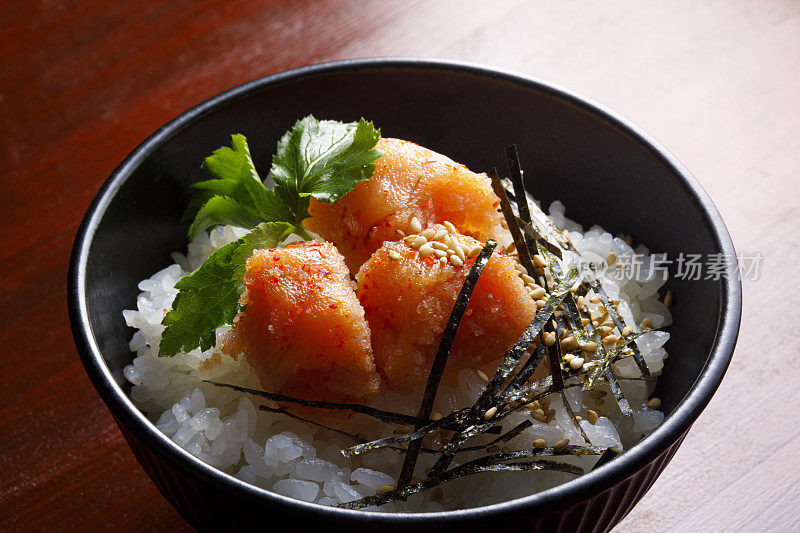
(620,323)
(290,415)
(530,231)
(521,195)
(611,379)
(386,416)
(505,437)
(523,244)
(508,214)
(619,396)
(547,451)
(513,432)
(573,315)
(396,439)
(329,428)
(515,172)
(609,454)
(439,362)
(501,374)
(524,391)
(527,392)
(467,432)
(456,473)
(527,227)
(596,285)
(528,369)
(571,413)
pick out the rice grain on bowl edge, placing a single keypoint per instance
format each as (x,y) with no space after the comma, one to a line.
(224,428)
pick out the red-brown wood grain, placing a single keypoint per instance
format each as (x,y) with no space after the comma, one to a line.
(82,83)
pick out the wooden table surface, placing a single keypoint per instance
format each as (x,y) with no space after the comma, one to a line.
(82,83)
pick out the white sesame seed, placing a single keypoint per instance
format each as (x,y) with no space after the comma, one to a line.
(439,253)
(450,227)
(475,251)
(539,261)
(429,233)
(394,256)
(418,241)
(538,414)
(538,293)
(439,245)
(550,338)
(400,233)
(426,249)
(440,233)
(456,260)
(442,261)
(588,346)
(460,253)
(527,279)
(415,226)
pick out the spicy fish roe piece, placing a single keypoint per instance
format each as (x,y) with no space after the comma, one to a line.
(408,294)
(409,181)
(303,330)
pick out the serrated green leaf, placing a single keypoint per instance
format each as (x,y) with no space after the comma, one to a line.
(222,210)
(323,159)
(236,179)
(208,298)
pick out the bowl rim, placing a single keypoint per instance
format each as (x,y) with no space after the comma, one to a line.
(583,487)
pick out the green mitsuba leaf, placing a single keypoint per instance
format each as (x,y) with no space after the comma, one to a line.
(247,201)
(209,296)
(323,159)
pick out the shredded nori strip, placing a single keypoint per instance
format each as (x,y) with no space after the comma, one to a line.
(386,416)
(489,395)
(442,353)
(329,428)
(508,213)
(458,472)
(609,454)
(620,323)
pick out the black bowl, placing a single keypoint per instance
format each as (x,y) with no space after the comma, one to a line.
(604,169)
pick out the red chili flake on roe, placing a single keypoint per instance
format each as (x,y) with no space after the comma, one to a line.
(327,342)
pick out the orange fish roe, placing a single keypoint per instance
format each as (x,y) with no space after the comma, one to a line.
(303,330)
(408,299)
(409,181)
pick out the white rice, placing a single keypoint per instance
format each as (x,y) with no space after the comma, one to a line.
(225,429)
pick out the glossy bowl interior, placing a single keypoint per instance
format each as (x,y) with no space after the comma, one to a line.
(605,171)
